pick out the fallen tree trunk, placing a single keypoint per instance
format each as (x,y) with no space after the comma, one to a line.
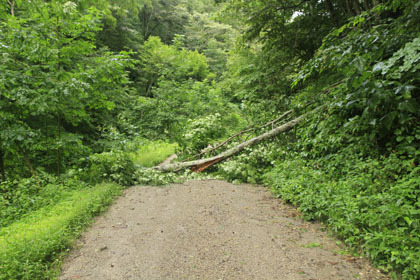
(239,134)
(200,165)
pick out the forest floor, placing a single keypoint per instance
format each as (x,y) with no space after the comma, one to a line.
(208,230)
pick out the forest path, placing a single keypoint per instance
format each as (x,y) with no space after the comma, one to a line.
(207,230)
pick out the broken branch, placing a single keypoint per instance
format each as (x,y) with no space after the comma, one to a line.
(202,164)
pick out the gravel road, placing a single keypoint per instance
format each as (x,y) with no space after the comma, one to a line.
(208,230)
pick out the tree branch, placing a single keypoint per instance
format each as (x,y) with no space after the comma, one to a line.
(238,134)
(202,164)
(12,7)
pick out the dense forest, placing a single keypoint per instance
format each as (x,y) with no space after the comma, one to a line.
(94,93)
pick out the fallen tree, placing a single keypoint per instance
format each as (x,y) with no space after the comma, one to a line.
(239,134)
(201,164)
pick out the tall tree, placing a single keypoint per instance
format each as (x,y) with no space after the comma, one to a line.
(50,81)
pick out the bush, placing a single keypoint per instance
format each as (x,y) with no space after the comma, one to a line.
(108,167)
(201,132)
(251,164)
(374,207)
(30,248)
(146,176)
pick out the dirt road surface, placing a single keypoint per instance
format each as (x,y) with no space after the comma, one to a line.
(208,230)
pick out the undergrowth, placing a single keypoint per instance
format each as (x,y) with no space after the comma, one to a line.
(372,204)
(152,153)
(20,197)
(30,248)
(41,216)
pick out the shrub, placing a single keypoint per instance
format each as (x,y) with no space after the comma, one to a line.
(201,132)
(109,167)
(372,206)
(251,164)
(146,176)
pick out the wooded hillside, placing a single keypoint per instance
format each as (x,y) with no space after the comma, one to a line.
(96,92)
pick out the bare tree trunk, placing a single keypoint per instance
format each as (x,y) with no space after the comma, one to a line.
(375,2)
(349,9)
(356,7)
(240,133)
(366,4)
(2,169)
(12,4)
(31,168)
(333,13)
(200,165)
(58,148)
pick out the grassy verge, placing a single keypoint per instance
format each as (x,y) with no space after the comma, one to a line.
(370,206)
(20,197)
(153,153)
(371,203)
(31,247)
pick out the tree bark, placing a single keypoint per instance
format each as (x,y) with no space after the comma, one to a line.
(201,164)
(58,151)
(2,169)
(31,168)
(12,7)
(349,9)
(239,134)
(356,7)
(333,13)
(375,2)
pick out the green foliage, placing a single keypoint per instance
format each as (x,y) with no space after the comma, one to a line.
(111,166)
(172,62)
(150,177)
(52,82)
(20,197)
(377,99)
(202,131)
(150,154)
(176,89)
(31,247)
(62,97)
(256,79)
(250,165)
(369,206)
(163,18)
(354,164)
(71,105)
(372,204)
(211,38)
(173,104)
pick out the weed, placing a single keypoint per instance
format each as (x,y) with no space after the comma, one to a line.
(152,153)
(30,248)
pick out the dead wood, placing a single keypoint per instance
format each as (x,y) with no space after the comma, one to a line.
(200,165)
(238,134)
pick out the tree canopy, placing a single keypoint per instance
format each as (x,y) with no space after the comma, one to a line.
(84,84)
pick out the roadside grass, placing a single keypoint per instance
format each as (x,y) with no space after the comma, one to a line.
(20,197)
(370,203)
(153,153)
(370,206)
(39,224)
(31,248)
